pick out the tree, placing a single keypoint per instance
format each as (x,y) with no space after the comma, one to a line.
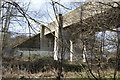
(13,13)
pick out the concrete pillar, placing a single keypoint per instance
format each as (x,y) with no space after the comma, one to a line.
(71,51)
(58,38)
(84,54)
(42,40)
(56,44)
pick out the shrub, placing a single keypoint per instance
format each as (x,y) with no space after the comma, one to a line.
(22,77)
(72,67)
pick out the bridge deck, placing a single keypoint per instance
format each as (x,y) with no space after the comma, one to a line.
(92,14)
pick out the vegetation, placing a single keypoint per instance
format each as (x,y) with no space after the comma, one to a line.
(45,66)
(92,36)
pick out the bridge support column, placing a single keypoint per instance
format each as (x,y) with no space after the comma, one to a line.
(42,41)
(71,51)
(56,45)
(84,54)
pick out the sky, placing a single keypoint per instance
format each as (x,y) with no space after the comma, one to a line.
(35,5)
(45,15)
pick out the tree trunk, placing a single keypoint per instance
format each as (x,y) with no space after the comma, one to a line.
(118,49)
(1,39)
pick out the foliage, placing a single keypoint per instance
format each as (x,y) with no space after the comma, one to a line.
(22,77)
(73,67)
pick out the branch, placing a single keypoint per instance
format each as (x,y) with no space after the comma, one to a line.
(22,12)
(62,6)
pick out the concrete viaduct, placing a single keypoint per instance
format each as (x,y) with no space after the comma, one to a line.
(87,19)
